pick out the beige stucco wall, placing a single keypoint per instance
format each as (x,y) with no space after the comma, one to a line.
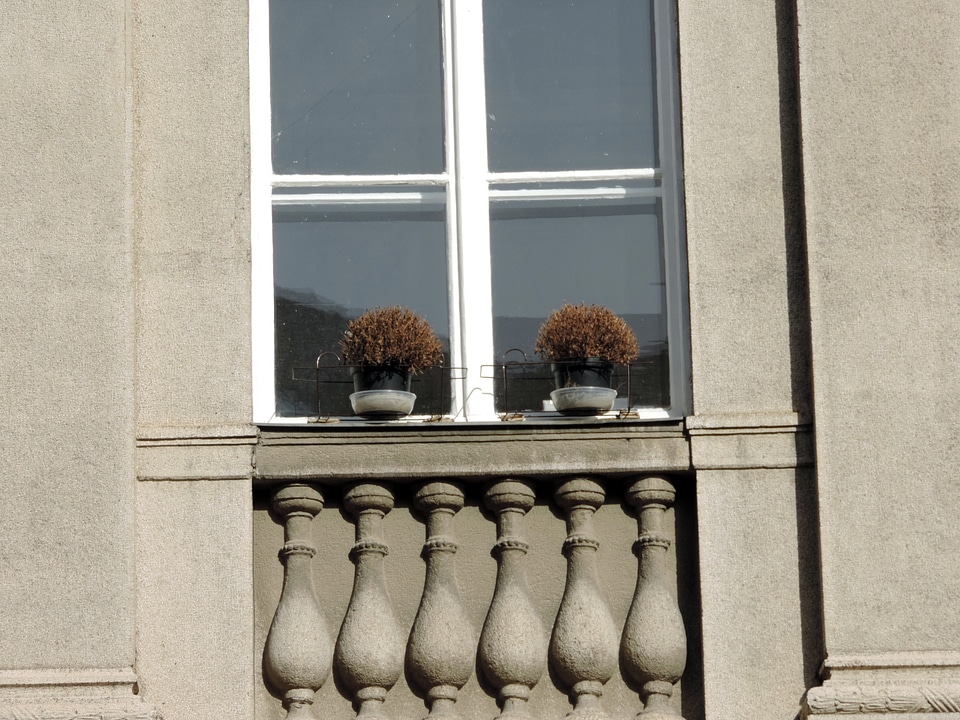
(741,189)
(191,173)
(758,571)
(192,231)
(127,545)
(881,124)
(66,339)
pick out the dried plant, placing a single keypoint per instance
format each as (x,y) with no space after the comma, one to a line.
(586,331)
(392,337)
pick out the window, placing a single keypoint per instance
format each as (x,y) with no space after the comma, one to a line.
(480,163)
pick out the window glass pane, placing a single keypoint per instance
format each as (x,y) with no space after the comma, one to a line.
(604,252)
(356,87)
(570,85)
(332,263)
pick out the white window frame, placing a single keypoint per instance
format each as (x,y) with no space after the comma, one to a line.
(466,184)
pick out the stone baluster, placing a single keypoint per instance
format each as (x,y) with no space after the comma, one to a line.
(368,658)
(513,650)
(297,653)
(440,651)
(653,648)
(583,647)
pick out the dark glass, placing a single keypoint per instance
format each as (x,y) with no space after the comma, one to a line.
(570,85)
(331,264)
(356,87)
(603,252)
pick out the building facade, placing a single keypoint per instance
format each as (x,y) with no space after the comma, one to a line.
(808,494)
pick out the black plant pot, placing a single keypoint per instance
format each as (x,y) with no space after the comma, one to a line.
(381,378)
(586,372)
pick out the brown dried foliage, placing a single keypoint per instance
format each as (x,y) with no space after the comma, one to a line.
(393,337)
(586,331)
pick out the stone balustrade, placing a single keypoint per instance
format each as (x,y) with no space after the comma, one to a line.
(546,614)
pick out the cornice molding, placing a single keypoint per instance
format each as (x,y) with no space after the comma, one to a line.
(72,694)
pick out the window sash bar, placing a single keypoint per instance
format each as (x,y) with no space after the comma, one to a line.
(356,180)
(598,193)
(335,200)
(576,175)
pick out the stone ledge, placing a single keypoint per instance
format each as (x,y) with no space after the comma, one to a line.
(195,462)
(468,452)
(749,441)
(743,423)
(242,434)
(919,659)
(116,683)
(74,694)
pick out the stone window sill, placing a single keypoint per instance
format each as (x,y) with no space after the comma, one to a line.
(334,454)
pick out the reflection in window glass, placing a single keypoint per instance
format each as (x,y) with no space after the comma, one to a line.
(330,264)
(570,85)
(596,252)
(356,87)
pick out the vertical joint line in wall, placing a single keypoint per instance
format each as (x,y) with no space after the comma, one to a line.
(129,213)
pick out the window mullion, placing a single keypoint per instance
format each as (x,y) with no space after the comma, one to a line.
(473,216)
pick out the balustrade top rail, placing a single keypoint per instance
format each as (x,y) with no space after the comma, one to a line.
(333,456)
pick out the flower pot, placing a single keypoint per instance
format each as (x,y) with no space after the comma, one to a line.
(382,404)
(381,393)
(585,372)
(581,401)
(583,386)
(380,378)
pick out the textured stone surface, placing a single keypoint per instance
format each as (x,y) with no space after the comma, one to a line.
(124,197)
(743,230)
(66,339)
(194,653)
(446,450)
(191,173)
(882,175)
(758,583)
